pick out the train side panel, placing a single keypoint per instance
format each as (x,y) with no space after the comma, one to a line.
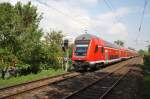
(91,52)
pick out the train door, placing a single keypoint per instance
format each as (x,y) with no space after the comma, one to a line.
(96,53)
(106,56)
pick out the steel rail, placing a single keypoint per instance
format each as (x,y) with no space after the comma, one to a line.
(91,84)
(114,85)
(64,76)
(5,88)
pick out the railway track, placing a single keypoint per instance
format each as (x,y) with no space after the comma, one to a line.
(66,88)
(99,88)
(31,85)
(114,85)
(67,85)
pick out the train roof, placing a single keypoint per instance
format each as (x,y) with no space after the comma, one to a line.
(89,37)
(86,37)
(108,44)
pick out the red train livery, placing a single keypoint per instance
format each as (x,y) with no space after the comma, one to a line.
(91,52)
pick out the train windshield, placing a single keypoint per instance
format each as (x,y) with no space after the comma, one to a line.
(81,51)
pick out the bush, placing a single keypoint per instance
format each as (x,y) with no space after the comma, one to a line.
(147,62)
(147,59)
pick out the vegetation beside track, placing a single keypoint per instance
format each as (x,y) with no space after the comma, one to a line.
(30,77)
(146,94)
(24,47)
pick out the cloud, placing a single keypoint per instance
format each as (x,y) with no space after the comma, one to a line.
(72,18)
(79,2)
(147,15)
(1,1)
(118,28)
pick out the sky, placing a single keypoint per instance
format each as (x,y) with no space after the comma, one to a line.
(73,17)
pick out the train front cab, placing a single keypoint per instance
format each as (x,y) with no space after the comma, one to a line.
(87,53)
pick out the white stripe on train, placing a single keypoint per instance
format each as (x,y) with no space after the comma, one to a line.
(107,61)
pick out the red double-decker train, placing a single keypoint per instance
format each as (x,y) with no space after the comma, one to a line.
(91,52)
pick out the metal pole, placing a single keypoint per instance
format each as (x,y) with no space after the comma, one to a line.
(67,59)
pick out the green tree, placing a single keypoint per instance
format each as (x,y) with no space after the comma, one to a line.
(148,49)
(70,50)
(7,60)
(6,26)
(141,52)
(19,27)
(119,42)
(54,41)
(19,30)
(131,48)
(29,33)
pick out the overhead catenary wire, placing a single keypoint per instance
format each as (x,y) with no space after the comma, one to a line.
(110,6)
(141,21)
(143,13)
(59,11)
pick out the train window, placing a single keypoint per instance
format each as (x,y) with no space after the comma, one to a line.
(102,49)
(96,48)
(81,51)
